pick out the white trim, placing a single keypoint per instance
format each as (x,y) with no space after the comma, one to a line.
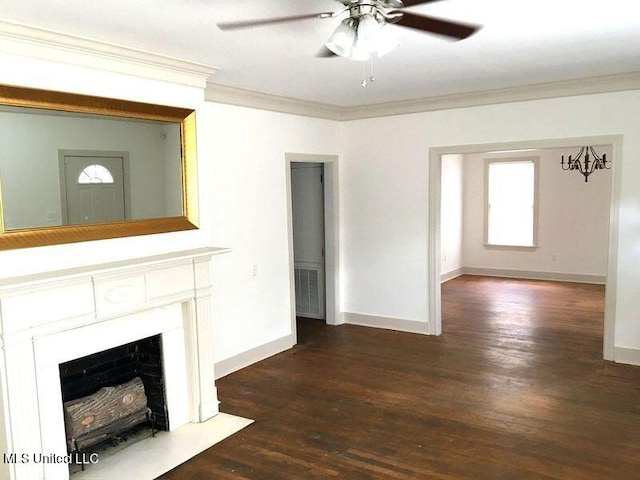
(564,88)
(533,275)
(389,323)
(18,39)
(254,355)
(435,200)
(45,279)
(219,93)
(538,91)
(630,356)
(331,235)
(445,277)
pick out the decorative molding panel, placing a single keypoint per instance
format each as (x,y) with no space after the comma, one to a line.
(584,86)
(389,323)
(59,47)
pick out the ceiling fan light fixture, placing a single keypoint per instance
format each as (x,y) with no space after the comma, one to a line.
(386,41)
(360,51)
(368,29)
(343,39)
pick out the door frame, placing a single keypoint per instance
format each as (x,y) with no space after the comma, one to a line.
(331,236)
(62,153)
(435,200)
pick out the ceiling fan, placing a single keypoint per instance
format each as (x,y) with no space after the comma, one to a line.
(361,35)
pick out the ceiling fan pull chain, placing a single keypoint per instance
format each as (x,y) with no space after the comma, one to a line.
(372,77)
(364,75)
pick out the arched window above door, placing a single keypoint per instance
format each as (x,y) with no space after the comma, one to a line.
(95,174)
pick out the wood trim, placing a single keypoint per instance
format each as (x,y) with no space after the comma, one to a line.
(388,323)
(254,355)
(226,94)
(44,280)
(72,102)
(535,275)
(445,277)
(630,356)
(39,237)
(29,41)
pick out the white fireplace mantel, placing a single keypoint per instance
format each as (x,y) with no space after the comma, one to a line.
(54,317)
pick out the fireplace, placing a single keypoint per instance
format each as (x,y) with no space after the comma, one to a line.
(51,321)
(109,394)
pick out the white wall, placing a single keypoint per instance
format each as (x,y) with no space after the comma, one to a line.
(22,71)
(383,188)
(247,186)
(242,185)
(451,216)
(573,218)
(385,194)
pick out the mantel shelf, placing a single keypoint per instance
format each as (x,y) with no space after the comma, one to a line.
(30,281)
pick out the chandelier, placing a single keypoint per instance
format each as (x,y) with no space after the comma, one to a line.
(586,166)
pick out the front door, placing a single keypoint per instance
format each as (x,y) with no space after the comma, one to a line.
(94,189)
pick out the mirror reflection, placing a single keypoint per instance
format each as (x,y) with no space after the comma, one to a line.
(64,168)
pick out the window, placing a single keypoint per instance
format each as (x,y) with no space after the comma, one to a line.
(95,174)
(511,205)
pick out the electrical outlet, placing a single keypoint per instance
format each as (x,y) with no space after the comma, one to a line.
(255,270)
(444,258)
(554,257)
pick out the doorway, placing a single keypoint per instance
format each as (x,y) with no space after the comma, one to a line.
(324,233)
(93,187)
(307,204)
(435,221)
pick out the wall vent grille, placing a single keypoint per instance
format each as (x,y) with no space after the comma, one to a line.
(308,295)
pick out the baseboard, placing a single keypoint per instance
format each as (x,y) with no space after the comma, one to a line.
(630,356)
(244,359)
(445,277)
(532,275)
(389,323)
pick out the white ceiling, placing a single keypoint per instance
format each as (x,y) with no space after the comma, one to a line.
(521,42)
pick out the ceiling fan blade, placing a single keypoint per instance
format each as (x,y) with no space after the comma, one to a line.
(411,3)
(270,21)
(324,52)
(424,23)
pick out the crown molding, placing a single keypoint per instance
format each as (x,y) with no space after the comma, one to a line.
(24,40)
(537,91)
(219,93)
(565,88)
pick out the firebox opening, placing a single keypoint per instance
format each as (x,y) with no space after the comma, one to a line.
(117,366)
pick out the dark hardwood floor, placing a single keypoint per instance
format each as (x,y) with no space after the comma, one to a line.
(515,388)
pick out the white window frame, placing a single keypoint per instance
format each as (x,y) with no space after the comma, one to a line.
(536,174)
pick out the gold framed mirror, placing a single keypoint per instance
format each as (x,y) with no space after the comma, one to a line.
(76,168)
